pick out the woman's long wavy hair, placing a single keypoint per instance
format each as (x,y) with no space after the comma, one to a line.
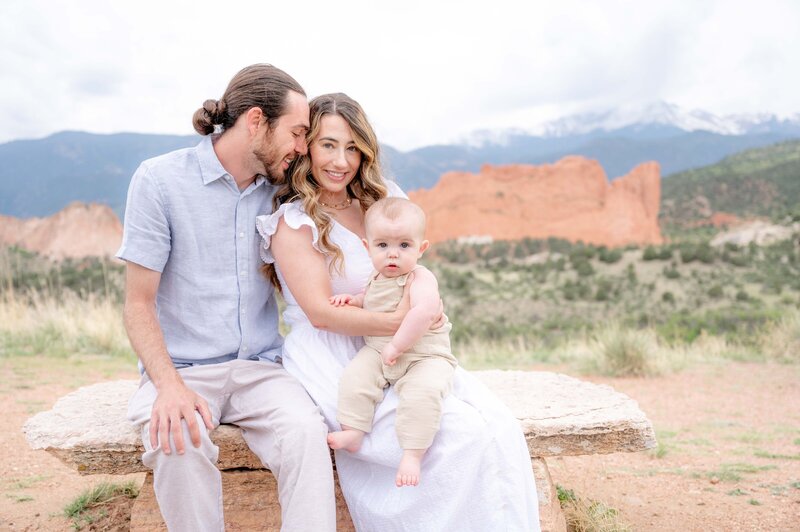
(367,186)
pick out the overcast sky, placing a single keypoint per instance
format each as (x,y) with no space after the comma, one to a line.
(426,72)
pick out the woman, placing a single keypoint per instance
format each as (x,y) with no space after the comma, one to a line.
(477,474)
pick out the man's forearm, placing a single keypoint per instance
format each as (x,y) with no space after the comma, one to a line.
(147,341)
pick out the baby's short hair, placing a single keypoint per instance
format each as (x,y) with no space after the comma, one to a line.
(394,208)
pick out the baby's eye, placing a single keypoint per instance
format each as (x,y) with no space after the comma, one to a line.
(382,244)
(405,245)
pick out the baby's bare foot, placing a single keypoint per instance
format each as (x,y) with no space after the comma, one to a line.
(408,472)
(349,440)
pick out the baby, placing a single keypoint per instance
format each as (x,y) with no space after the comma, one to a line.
(416,360)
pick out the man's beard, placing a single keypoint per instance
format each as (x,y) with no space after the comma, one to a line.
(272,161)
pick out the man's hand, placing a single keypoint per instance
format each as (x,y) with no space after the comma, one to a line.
(340,300)
(390,354)
(173,403)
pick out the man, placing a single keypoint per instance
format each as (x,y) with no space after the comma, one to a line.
(204,322)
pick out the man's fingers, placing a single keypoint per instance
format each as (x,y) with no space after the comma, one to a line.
(154,431)
(163,435)
(176,429)
(205,413)
(194,430)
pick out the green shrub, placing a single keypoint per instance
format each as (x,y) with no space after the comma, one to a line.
(671,273)
(583,268)
(609,256)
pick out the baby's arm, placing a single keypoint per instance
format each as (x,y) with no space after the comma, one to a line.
(425,308)
(340,300)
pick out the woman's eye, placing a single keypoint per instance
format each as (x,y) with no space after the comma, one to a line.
(352,149)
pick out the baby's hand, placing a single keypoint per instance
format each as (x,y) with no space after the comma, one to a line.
(340,300)
(390,354)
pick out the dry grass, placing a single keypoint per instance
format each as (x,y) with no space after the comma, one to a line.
(37,324)
(583,515)
(781,340)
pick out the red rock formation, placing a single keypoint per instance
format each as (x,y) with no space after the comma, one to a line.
(79,230)
(571,199)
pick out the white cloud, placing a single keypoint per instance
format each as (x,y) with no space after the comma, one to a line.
(425,72)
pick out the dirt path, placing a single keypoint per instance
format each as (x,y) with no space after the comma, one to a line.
(36,486)
(729,432)
(730,438)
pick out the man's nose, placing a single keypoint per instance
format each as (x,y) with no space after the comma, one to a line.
(300,145)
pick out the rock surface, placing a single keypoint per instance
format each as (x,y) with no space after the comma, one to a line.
(559,415)
(759,232)
(77,231)
(571,199)
(564,416)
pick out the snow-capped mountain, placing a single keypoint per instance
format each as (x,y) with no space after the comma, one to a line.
(667,114)
(638,118)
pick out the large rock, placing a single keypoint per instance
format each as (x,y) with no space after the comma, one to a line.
(571,199)
(757,231)
(79,230)
(564,416)
(559,415)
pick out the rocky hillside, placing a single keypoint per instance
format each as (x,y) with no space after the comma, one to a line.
(571,199)
(760,182)
(79,230)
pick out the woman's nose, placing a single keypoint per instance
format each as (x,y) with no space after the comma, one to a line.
(340,160)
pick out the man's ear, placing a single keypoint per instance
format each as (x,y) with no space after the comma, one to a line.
(424,247)
(253,118)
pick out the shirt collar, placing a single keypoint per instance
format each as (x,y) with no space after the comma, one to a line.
(210,167)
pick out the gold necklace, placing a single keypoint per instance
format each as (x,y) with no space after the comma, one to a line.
(338,206)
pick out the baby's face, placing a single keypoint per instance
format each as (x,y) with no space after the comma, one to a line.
(394,245)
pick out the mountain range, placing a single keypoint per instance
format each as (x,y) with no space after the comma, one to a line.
(39,177)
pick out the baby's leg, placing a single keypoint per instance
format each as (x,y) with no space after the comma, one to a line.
(420,392)
(348,439)
(408,473)
(360,388)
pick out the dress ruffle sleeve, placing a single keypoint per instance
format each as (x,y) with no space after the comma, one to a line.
(295,217)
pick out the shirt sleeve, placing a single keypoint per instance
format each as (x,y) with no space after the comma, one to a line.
(394,190)
(146,236)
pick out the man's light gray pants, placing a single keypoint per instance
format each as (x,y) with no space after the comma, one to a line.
(280,424)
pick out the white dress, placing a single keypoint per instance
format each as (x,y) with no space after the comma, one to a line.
(477,474)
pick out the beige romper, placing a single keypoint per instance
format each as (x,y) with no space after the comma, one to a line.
(421,376)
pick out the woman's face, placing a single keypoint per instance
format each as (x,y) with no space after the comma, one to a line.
(335,159)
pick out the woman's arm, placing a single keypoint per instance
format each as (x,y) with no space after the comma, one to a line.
(306,274)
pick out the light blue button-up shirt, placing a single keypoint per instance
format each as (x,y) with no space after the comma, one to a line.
(186,218)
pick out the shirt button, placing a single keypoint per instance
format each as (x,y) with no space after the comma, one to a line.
(244,348)
(241,235)
(242,273)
